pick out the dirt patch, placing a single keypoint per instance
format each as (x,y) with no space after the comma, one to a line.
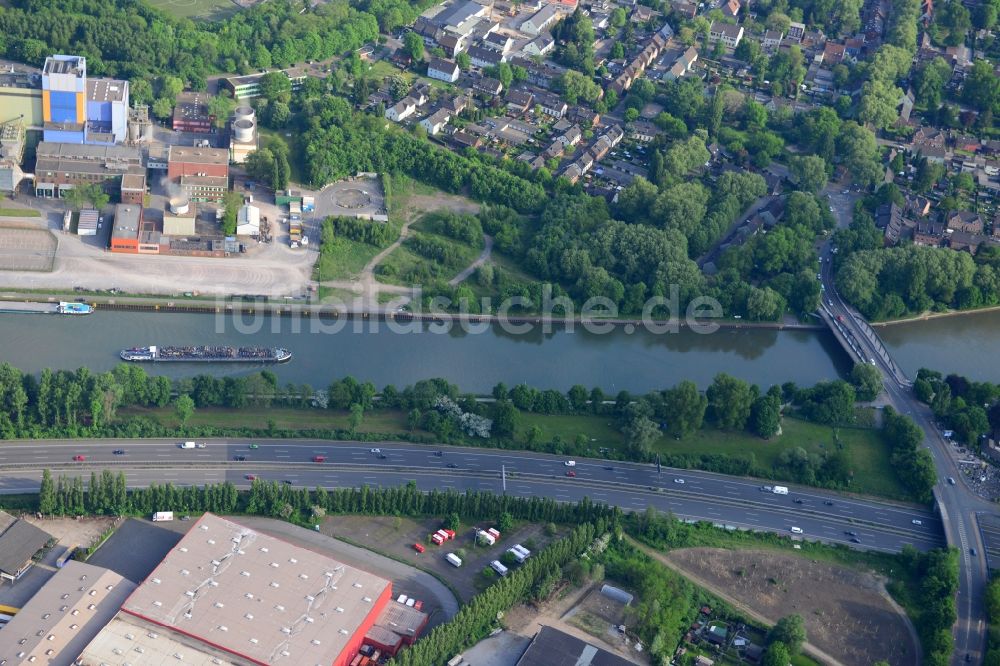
(442,201)
(845,611)
(395,537)
(73,531)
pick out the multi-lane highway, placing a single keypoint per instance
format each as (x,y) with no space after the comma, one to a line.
(957,504)
(725,500)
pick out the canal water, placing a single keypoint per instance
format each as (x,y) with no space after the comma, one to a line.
(638,362)
(967,344)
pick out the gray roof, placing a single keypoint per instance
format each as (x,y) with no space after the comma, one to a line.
(457,13)
(18,543)
(551,647)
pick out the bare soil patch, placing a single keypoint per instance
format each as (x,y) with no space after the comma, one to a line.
(846,612)
(73,531)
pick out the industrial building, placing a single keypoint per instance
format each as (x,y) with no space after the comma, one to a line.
(243,138)
(62,166)
(75,110)
(12,139)
(63,616)
(179,218)
(203,173)
(132,233)
(551,646)
(191,113)
(133,188)
(229,594)
(248,221)
(19,541)
(107,111)
(87,222)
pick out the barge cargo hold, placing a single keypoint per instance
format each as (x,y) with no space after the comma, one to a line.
(206,354)
(62,307)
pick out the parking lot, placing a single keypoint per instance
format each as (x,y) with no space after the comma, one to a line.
(352,197)
(25,249)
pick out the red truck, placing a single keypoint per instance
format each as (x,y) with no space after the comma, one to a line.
(418,547)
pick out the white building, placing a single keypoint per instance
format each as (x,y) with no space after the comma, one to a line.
(540,45)
(727,33)
(248,221)
(541,20)
(442,70)
(435,122)
(401,110)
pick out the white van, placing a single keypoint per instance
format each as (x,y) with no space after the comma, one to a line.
(796,530)
(570,463)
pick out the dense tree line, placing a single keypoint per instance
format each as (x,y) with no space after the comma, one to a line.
(912,462)
(363,231)
(933,580)
(992,603)
(970,409)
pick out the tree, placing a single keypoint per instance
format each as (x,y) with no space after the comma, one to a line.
(617,18)
(413,45)
(867,381)
(357,415)
(452,522)
(860,153)
(684,409)
(276,87)
(982,87)
(47,494)
(231,202)
(730,400)
(505,417)
(463,61)
(640,433)
(765,416)
(777,655)
(808,172)
(575,86)
(879,101)
(505,523)
(183,408)
(220,107)
(789,631)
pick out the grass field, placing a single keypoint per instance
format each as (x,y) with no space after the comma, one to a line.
(296,156)
(19,212)
(343,259)
(205,10)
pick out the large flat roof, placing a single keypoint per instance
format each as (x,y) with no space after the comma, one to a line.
(551,647)
(63,616)
(257,597)
(197,155)
(130,640)
(106,90)
(127,220)
(83,151)
(18,543)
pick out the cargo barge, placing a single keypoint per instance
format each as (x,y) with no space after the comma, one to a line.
(62,307)
(206,354)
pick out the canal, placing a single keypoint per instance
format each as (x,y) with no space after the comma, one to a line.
(475,361)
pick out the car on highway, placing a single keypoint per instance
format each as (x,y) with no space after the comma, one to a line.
(855,540)
(951,481)
(570,463)
(451,466)
(828,503)
(972,551)
(253,446)
(609,468)
(439,453)
(251,477)
(119,452)
(375,451)
(381,456)
(287,482)
(681,481)
(570,472)
(319,459)
(239,458)
(850,533)
(917,521)
(79,458)
(795,530)
(799,500)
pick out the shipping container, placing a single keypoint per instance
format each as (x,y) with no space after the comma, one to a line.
(494,533)
(449,533)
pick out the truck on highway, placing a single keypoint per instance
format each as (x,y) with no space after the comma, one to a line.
(780,490)
(192,445)
(453,559)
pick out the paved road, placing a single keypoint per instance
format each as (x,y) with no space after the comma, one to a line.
(957,504)
(725,500)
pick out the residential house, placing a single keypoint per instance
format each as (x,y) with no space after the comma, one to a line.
(572,173)
(917,205)
(540,20)
(965,241)
(600,148)
(401,110)
(906,103)
(928,233)
(435,122)
(686,10)
(498,42)
(682,65)
(453,44)
(483,57)
(464,139)
(584,115)
(727,33)
(443,70)
(539,46)
(643,14)
(457,104)
(571,137)
(488,86)
(796,31)
(731,8)
(772,40)
(519,101)
(833,54)
(964,220)
(643,131)
(551,105)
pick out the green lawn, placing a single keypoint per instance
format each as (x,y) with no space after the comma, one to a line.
(383,68)
(343,259)
(600,431)
(19,212)
(284,418)
(296,155)
(205,10)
